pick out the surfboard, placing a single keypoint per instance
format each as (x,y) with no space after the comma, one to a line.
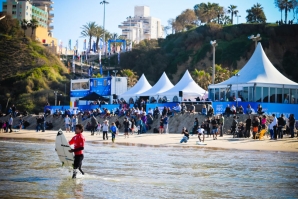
(62,148)
(201,143)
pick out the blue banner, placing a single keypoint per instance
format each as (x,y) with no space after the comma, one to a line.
(160,106)
(101,86)
(268,108)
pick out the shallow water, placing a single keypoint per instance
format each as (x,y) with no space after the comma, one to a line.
(32,169)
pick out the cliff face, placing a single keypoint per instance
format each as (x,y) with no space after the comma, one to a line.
(29,74)
(192,50)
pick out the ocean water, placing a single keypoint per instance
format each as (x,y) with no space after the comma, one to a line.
(31,169)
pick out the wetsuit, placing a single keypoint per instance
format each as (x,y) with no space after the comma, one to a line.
(79,142)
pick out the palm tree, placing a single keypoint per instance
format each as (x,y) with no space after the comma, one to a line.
(24,26)
(202,78)
(286,5)
(33,24)
(98,33)
(219,10)
(132,77)
(89,31)
(233,11)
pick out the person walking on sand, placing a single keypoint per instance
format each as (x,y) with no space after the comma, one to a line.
(105,129)
(165,124)
(67,123)
(292,124)
(139,124)
(79,142)
(247,127)
(161,125)
(201,133)
(21,121)
(132,126)
(114,131)
(94,124)
(10,122)
(74,122)
(214,128)
(126,127)
(221,124)
(195,126)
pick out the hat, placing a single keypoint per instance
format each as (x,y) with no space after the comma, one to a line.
(105,121)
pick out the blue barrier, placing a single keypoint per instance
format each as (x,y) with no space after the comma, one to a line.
(160,106)
(268,108)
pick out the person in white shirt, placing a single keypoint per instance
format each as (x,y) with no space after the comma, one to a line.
(274,124)
(201,132)
(150,111)
(233,109)
(105,129)
(176,109)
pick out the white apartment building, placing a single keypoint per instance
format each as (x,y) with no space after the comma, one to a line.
(37,9)
(141,26)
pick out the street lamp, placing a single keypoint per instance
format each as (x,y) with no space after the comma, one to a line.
(129,18)
(56,93)
(104,18)
(214,44)
(255,38)
(2,17)
(238,17)
(237,75)
(115,71)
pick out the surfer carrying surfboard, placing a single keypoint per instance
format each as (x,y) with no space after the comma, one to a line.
(79,142)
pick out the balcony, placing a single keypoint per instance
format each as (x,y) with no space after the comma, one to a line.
(51,27)
(51,8)
(51,15)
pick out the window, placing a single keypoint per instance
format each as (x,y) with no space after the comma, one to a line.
(5,6)
(294,96)
(217,94)
(211,94)
(245,94)
(14,12)
(272,95)
(279,95)
(14,6)
(258,97)
(265,94)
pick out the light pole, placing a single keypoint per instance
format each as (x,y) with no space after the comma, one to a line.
(238,17)
(56,93)
(255,39)
(129,27)
(237,75)
(104,18)
(115,71)
(214,44)
(2,17)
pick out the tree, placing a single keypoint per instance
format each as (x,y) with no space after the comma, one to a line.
(219,10)
(232,10)
(202,78)
(171,23)
(207,12)
(186,19)
(98,33)
(24,26)
(286,5)
(88,30)
(256,14)
(132,77)
(33,24)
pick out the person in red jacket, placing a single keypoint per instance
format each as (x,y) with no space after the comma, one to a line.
(78,141)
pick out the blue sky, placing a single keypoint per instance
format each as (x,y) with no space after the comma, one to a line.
(70,15)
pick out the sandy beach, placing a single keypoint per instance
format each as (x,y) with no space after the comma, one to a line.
(169,140)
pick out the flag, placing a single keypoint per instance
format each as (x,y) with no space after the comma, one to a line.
(73,63)
(84,47)
(69,44)
(99,61)
(119,58)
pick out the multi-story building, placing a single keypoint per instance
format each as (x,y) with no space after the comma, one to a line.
(24,9)
(141,26)
(34,9)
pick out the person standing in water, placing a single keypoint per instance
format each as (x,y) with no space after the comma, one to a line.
(114,131)
(79,142)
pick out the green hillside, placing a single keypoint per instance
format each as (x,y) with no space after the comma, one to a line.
(192,50)
(29,74)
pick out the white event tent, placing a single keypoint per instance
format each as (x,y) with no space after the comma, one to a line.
(257,81)
(189,88)
(140,87)
(159,88)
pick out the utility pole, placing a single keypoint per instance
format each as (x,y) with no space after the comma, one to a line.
(214,44)
(104,15)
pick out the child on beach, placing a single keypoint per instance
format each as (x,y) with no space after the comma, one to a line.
(186,135)
(161,125)
(201,132)
(113,131)
(98,129)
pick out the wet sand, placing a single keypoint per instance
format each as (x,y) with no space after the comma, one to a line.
(226,142)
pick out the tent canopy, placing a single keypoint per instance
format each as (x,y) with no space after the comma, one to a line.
(93,96)
(257,70)
(140,87)
(161,86)
(187,85)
